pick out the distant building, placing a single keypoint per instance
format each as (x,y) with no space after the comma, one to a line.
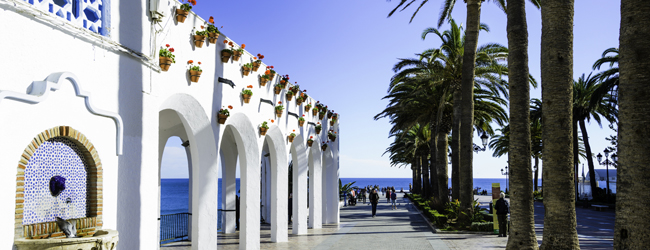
(584,186)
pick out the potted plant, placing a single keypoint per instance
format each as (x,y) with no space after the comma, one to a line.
(330,113)
(301,120)
(321,114)
(166,58)
(223,114)
(236,53)
(213,32)
(264,79)
(299,100)
(304,94)
(181,13)
(307,107)
(199,37)
(246,68)
(226,53)
(331,135)
(292,135)
(296,89)
(258,62)
(324,146)
(278,109)
(289,95)
(314,111)
(310,141)
(270,71)
(332,121)
(277,88)
(247,93)
(318,128)
(263,128)
(195,71)
(284,81)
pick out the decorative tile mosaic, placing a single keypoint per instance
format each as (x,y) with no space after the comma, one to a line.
(83,13)
(55,157)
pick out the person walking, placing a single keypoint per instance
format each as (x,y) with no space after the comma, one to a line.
(387,195)
(503,209)
(374,199)
(363,193)
(393,197)
(410,188)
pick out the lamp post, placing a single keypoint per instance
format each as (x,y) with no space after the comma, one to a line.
(484,139)
(606,162)
(506,174)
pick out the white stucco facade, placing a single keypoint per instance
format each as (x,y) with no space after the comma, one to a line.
(115,94)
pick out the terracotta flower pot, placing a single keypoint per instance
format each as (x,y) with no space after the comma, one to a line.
(332,122)
(278,113)
(324,147)
(272,75)
(222,118)
(246,71)
(321,115)
(298,101)
(212,37)
(263,81)
(181,15)
(309,143)
(198,41)
(290,138)
(194,75)
(289,97)
(301,123)
(165,63)
(236,55)
(331,137)
(329,114)
(263,131)
(314,112)
(225,56)
(277,90)
(307,109)
(256,66)
(318,131)
(247,98)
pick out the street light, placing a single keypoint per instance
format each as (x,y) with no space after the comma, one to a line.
(506,174)
(606,162)
(484,139)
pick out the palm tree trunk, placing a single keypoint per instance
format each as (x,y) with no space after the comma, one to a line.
(413,183)
(536,173)
(426,187)
(576,159)
(632,196)
(455,146)
(522,222)
(433,169)
(418,175)
(590,159)
(557,86)
(467,118)
(441,168)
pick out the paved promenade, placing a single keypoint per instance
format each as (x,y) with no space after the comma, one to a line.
(405,228)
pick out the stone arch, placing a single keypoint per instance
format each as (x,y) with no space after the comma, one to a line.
(300,168)
(330,172)
(240,139)
(315,185)
(94,191)
(204,168)
(279,179)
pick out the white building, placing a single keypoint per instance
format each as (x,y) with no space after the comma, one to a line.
(82,96)
(584,186)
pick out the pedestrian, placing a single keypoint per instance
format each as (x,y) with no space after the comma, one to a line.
(503,209)
(393,196)
(237,211)
(290,206)
(353,201)
(374,199)
(410,188)
(387,195)
(345,198)
(363,193)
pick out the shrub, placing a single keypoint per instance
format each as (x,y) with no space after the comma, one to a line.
(482,226)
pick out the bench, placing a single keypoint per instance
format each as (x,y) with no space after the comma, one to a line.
(599,207)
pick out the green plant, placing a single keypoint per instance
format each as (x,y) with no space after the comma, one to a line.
(302,118)
(299,98)
(248,65)
(279,107)
(482,226)
(187,6)
(213,29)
(477,216)
(267,77)
(258,58)
(308,105)
(311,139)
(247,92)
(202,31)
(229,50)
(241,48)
(292,134)
(289,92)
(194,67)
(318,126)
(265,125)
(165,52)
(279,85)
(296,88)
(225,111)
(345,188)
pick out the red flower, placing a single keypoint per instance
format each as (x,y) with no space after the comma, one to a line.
(202,27)
(261,57)
(190,62)
(294,130)
(211,20)
(171,49)
(254,58)
(243,46)
(230,43)
(258,54)
(230,106)
(167,45)
(303,115)
(272,121)
(280,102)
(268,72)
(272,67)
(304,90)
(225,41)
(199,63)
(311,137)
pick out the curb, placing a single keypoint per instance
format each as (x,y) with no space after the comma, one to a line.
(438,231)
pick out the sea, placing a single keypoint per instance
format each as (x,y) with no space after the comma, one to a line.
(174,192)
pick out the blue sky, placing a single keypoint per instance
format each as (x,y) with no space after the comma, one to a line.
(342,52)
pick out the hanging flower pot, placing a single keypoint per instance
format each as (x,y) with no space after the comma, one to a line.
(324,147)
(236,55)
(331,135)
(307,108)
(263,81)
(165,63)
(246,70)
(247,98)
(263,131)
(301,121)
(329,114)
(277,89)
(212,37)
(264,127)
(318,129)
(181,15)
(198,41)
(225,55)
(332,122)
(195,75)
(310,142)
(223,114)
(222,118)
(278,113)
(278,109)
(291,137)
(247,93)
(289,96)
(256,66)
(314,111)
(321,115)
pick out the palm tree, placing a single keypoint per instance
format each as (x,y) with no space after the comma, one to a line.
(585,107)
(609,77)
(557,77)
(632,188)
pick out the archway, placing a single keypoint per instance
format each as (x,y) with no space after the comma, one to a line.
(315,185)
(330,188)
(181,115)
(299,192)
(277,157)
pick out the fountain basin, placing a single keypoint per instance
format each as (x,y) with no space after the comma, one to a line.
(102,240)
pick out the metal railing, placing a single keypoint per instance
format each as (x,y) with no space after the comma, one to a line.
(174,226)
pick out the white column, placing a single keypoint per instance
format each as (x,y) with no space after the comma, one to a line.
(299,190)
(249,221)
(315,186)
(229,187)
